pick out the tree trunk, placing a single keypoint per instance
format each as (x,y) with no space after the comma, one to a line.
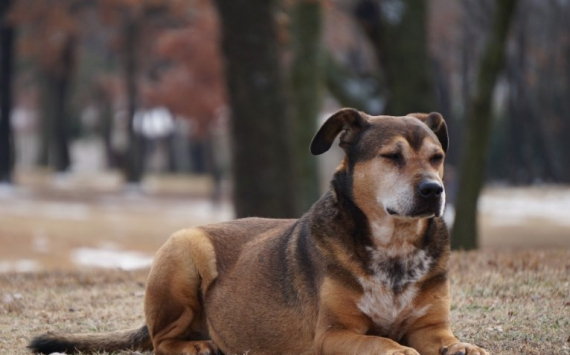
(263,172)
(479,126)
(6,65)
(61,156)
(397,30)
(307,88)
(54,146)
(134,160)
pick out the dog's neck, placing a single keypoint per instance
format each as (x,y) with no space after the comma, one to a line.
(387,230)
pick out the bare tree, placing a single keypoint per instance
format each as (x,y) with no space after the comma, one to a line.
(307,74)
(6,68)
(263,170)
(479,127)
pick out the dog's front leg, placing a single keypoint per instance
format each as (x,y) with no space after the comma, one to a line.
(438,339)
(342,327)
(431,334)
(344,342)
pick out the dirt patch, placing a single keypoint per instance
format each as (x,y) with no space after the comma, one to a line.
(508,302)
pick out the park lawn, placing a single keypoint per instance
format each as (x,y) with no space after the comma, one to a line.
(510,302)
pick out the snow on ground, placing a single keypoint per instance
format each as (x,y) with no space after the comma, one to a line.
(515,206)
(110,258)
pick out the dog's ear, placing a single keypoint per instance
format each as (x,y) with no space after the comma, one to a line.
(347,120)
(437,124)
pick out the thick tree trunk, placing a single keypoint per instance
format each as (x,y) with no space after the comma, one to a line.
(6,65)
(263,170)
(307,74)
(134,159)
(397,30)
(479,125)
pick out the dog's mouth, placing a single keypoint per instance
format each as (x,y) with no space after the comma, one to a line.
(418,212)
(391,212)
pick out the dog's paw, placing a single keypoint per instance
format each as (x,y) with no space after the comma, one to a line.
(463,349)
(200,348)
(402,351)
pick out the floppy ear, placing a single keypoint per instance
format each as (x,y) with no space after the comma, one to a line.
(347,120)
(437,124)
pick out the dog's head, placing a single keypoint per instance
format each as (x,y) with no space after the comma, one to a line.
(396,163)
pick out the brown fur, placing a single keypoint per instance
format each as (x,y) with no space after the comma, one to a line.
(363,272)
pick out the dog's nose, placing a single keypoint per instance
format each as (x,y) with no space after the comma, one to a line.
(430,189)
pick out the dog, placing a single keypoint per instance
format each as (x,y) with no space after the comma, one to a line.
(364,271)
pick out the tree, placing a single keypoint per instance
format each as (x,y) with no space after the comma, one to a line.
(139,23)
(479,127)
(263,171)
(307,75)
(191,82)
(397,31)
(56,82)
(51,34)
(134,162)
(6,68)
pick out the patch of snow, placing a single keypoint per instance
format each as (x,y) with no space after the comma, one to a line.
(7,190)
(110,258)
(23,265)
(518,206)
(53,210)
(204,210)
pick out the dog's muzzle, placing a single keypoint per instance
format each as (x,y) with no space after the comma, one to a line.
(429,198)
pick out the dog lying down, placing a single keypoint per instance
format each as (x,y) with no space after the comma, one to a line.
(364,271)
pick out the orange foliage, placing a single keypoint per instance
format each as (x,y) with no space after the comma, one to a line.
(192,86)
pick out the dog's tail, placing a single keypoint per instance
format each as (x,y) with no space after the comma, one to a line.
(132,339)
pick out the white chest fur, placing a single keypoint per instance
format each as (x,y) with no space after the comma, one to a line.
(390,290)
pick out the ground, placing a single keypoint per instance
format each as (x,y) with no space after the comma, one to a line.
(507,302)
(75,256)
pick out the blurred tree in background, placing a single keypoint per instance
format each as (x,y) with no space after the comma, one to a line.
(307,89)
(479,128)
(51,36)
(6,67)
(398,33)
(264,174)
(138,23)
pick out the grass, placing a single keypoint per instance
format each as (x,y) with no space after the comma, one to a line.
(510,302)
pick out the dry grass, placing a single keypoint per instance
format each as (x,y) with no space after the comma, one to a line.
(509,302)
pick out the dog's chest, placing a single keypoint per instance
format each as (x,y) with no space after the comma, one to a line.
(391,287)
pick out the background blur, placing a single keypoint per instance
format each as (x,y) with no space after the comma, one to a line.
(122,121)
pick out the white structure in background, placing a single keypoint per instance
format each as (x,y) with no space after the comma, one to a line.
(154,123)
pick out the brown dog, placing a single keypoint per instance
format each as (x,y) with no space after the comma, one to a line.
(363,272)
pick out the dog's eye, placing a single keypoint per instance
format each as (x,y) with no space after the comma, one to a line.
(395,157)
(436,159)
